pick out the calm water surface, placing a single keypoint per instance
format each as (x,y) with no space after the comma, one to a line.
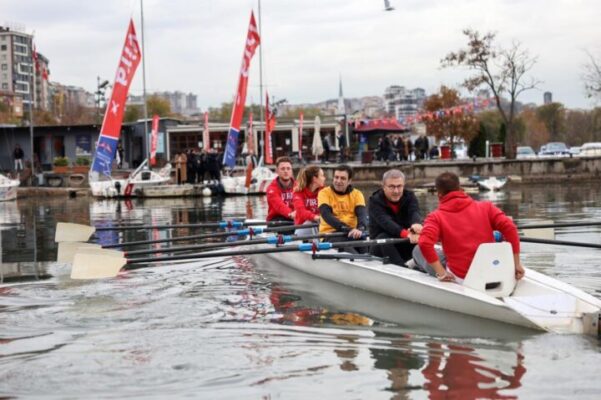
(227,328)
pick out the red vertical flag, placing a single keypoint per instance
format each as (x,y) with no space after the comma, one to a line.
(154,137)
(252,42)
(113,117)
(269,125)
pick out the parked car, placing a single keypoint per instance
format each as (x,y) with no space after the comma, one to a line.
(590,149)
(554,149)
(575,150)
(525,152)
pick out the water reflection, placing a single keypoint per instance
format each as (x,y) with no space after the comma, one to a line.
(236,329)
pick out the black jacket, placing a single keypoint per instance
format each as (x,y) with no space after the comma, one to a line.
(383,219)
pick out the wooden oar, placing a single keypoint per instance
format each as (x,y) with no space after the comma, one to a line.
(276,239)
(560,242)
(67,249)
(70,232)
(92,263)
(240,232)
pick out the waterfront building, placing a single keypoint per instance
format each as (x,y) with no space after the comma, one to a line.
(401,102)
(547,98)
(179,102)
(22,74)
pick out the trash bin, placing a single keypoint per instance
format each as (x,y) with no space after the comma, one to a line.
(496,150)
(367,157)
(445,152)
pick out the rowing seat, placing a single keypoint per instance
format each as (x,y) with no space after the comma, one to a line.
(492,270)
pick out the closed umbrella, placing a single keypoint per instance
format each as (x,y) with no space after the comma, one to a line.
(317,146)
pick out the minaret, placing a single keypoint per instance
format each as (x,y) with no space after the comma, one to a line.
(340,109)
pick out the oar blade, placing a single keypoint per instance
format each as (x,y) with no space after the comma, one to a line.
(69,232)
(97,264)
(67,250)
(541,233)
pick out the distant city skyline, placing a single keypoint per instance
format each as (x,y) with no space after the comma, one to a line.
(307,45)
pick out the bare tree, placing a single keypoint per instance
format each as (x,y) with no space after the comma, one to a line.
(592,77)
(501,70)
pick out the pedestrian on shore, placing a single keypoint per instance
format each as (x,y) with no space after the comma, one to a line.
(327,145)
(341,146)
(18,155)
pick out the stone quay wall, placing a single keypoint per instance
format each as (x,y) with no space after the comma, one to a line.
(554,169)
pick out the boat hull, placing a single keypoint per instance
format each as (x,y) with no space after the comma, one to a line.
(407,284)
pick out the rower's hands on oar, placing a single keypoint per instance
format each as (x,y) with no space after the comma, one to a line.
(355,233)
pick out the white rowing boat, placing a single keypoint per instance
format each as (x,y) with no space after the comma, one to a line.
(537,301)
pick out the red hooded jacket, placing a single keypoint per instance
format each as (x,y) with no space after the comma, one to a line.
(279,200)
(462,224)
(305,205)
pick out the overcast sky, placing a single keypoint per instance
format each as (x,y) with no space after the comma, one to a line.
(196,46)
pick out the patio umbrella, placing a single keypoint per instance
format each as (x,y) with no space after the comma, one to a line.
(317,146)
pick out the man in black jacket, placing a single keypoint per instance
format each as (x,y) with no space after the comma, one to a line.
(394,213)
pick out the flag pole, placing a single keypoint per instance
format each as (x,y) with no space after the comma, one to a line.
(146,139)
(261,79)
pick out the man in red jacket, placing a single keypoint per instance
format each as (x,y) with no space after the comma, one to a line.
(279,192)
(461,224)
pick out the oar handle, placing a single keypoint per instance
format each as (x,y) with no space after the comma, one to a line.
(560,242)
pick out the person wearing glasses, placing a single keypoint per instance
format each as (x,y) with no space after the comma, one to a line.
(394,213)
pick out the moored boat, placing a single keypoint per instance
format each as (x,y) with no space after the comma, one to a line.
(537,301)
(261,177)
(493,183)
(140,179)
(8,188)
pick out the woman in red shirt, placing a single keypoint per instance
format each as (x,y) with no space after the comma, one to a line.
(309,182)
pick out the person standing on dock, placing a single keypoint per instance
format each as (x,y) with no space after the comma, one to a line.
(461,224)
(342,207)
(309,182)
(394,213)
(18,156)
(280,192)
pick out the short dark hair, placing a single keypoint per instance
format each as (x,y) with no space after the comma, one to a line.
(345,168)
(447,182)
(283,159)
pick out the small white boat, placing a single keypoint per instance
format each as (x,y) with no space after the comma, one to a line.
(492,183)
(489,291)
(8,188)
(261,177)
(131,186)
